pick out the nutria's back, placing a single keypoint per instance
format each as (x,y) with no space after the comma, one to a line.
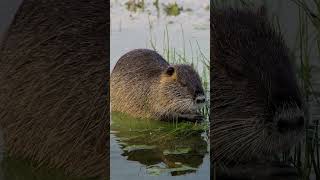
(256,103)
(131,79)
(143,84)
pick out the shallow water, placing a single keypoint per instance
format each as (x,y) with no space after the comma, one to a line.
(143,148)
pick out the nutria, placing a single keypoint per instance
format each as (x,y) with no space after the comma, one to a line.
(54,85)
(143,84)
(257,107)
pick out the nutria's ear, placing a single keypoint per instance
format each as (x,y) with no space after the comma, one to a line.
(170,70)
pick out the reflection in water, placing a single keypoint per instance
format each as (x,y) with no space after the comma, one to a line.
(162,147)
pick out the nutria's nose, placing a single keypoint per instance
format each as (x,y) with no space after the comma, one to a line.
(289,124)
(200,99)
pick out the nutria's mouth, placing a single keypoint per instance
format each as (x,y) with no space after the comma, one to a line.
(188,105)
(247,139)
(200,99)
(289,119)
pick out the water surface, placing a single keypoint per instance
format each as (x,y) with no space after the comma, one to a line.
(144,148)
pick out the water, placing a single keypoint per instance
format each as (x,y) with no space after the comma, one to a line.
(149,149)
(149,156)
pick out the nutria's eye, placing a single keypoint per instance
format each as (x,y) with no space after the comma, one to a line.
(170,70)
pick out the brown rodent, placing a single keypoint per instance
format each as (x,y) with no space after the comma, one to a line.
(257,107)
(143,84)
(53,86)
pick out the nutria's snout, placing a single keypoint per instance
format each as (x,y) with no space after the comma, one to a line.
(289,120)
(199,99)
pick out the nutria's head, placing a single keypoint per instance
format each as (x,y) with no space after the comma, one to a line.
(257,105)
(180,89)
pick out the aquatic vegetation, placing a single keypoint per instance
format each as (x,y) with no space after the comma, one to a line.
(156,3)
(137,147)
(172,9)
(134,5)
(177,151)
(157,170)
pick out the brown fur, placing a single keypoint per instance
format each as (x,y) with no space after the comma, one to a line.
(141,86)
(53,85)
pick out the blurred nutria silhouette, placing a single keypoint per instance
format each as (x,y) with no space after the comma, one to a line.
(54,85)
(257,107)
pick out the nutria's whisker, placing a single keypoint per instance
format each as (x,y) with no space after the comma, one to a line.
(227,148)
